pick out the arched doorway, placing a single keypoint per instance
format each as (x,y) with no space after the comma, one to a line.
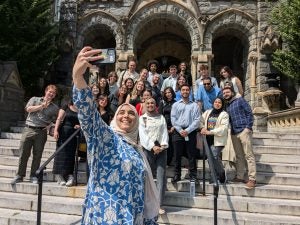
(165,40)
(228,50)
(100,36)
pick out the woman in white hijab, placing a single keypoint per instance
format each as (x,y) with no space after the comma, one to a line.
(120,188)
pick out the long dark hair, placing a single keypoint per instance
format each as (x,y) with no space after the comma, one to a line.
(228,70)
(172,92)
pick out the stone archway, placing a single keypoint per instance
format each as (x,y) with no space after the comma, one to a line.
(165,40)
(164,10)
(236,24)
(99,30)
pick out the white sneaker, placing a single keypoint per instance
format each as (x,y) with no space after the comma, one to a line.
(70,181)
(60,180)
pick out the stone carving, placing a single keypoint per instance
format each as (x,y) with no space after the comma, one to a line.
(203,19)
(269,42)
(270,101)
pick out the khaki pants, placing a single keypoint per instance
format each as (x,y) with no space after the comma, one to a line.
(35,139)
(242,143)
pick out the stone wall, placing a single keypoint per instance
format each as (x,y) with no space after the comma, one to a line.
(201,21)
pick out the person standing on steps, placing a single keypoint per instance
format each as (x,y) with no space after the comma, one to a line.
(41,112)
(121,189)
(241,121)
(66,124)
(185,118)
(154,138)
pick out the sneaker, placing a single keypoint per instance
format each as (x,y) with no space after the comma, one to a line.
(60,180)
(17,179)
(70,181)
(250,184)
(161,211)
(34,180)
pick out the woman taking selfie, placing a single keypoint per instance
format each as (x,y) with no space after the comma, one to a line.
(120,189)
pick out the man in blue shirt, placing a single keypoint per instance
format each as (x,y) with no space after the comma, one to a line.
(206,94)
(241,120)
(185,118)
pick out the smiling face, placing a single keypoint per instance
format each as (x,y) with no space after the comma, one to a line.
(103,101)
(129,84)
(126,118)
(144,74)
(227,94)
(150,105)
(131,66)
(218,103)
(50,94)
(102,83)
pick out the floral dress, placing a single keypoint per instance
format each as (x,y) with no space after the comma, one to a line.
(115,190)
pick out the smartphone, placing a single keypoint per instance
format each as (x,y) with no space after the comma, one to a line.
(109,56)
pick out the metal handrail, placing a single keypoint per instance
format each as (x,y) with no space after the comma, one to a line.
(40,172)
(214,178)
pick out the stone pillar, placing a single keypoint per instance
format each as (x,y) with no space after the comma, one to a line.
(122,58)
(252,59)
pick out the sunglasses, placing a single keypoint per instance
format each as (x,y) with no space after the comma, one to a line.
(206,84)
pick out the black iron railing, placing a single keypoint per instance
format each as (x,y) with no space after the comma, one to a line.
(213,173)
(40,172)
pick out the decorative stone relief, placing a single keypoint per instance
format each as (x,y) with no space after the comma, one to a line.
(269,42)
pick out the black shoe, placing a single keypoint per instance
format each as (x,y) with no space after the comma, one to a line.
(17,179)
(176,178)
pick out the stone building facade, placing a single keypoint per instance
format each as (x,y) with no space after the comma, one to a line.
(217,33)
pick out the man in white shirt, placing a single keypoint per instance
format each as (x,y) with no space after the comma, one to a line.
(171,80)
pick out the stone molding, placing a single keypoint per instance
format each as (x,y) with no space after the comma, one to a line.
(235,19)
(102,18)
(286,120)
(164,10)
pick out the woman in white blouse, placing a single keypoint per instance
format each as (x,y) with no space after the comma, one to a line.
(154,138)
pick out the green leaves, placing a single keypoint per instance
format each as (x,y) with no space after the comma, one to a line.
(28,36)
(285,18)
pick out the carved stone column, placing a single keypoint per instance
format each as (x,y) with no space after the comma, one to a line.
(252,60)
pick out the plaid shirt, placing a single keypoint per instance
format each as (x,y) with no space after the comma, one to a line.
(240,113)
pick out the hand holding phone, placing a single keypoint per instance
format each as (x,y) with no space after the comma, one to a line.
(109,56)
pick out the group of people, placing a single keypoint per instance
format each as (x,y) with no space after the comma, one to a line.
(134,124)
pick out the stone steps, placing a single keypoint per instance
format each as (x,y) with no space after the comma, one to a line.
(193,216)
(277,142)
(23,217)
(237,203)
(281,150)
(275,200)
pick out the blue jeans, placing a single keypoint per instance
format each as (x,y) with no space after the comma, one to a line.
(158,165)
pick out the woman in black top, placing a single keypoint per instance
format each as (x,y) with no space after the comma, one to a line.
(164,108)
(103,108)
(66,124)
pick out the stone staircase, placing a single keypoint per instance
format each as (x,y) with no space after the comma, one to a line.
(275,200)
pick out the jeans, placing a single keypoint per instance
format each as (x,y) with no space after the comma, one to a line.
(158,165)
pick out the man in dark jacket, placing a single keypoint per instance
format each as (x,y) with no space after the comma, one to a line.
(241,120)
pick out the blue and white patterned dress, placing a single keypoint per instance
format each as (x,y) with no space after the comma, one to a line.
(115,191)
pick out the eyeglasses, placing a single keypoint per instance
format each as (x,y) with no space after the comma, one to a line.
(206,84)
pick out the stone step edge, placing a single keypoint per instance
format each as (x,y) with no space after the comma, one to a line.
(172,210)
(46,218)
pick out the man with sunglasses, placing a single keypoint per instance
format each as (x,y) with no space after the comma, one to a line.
(206,94)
